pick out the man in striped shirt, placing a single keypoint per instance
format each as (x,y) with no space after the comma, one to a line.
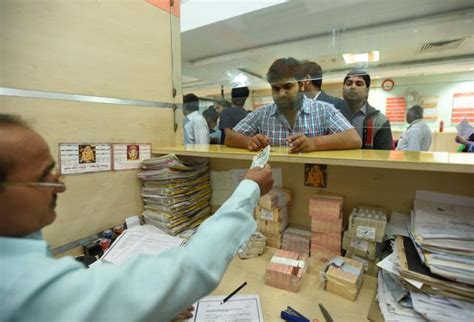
(292,120)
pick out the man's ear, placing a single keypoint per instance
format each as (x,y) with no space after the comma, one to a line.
(301,85)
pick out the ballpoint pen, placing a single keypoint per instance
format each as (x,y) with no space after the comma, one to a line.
(326,314)
(233,293)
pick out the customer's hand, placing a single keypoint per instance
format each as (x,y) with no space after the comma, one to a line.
(185,314)
(262,176)
(257,142)
(300,143)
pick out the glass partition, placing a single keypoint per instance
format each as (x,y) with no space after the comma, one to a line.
(416,53)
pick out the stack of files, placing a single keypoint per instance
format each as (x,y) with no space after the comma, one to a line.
(405,299)
(442,229)
(175,195)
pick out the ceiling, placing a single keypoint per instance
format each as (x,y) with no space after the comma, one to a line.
(323,30)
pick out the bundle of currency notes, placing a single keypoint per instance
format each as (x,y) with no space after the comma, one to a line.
(253,247)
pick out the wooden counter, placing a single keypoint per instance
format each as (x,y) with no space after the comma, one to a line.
(423,161)
(274,300)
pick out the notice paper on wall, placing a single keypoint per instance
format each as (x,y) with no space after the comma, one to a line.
(237,308)
(84,157)
(129,156)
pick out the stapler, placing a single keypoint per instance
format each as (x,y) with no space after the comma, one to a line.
(292,315)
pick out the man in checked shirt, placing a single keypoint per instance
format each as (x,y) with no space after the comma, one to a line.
(302,124)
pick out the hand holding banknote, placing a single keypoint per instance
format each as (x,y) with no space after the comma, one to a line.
(262,176)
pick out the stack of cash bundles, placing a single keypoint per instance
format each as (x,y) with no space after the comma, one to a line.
(272,215)
(326,226)
(364,237)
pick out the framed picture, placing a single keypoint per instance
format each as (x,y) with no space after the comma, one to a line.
(315,175)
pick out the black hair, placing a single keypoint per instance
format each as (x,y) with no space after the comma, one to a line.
(361,73)
(239,95)
(190,102)
(224,103)
(211,114)
(314,71)
(416,111)
(6,164)
(285,68)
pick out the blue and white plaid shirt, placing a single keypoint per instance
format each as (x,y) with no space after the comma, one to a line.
(314,118)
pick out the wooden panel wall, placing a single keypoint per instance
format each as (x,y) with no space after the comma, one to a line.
(119,49)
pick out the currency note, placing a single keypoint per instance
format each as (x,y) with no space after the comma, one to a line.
(261,159)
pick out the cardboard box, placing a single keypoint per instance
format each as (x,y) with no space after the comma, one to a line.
(343,276)
(276,214)
(368,223)
(275,198)
(326,206)
(326,241)
(297,240)
(286,270)
(273,240)
(326,226)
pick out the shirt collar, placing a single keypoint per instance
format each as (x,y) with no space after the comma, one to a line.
(363,110)
(413,123)
(304,105)
(192,115)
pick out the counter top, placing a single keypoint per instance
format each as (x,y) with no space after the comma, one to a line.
(389,159)
(305,301)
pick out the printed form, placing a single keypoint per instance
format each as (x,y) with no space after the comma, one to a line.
(242,308)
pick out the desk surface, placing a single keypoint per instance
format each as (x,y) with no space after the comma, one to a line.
(306,301)
(425,161)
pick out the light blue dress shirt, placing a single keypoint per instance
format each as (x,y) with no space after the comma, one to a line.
(37,287)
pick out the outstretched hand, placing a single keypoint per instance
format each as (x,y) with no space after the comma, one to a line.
(262,176)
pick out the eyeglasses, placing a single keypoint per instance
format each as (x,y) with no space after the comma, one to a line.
(58,183)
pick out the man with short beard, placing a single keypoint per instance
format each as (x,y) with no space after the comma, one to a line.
(371,125)
(304,125)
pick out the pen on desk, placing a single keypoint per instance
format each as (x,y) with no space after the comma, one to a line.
(233,293)
(326,314)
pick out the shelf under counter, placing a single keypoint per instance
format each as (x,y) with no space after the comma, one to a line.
(385,159)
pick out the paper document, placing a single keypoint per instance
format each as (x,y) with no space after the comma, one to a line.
(464,129)
(241,308)
(398,224)
(132,243)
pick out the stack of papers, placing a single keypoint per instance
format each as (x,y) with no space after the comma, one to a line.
(403,299)
(140,240)
(175,195)
(442,228)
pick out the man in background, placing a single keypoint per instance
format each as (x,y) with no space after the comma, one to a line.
(36,287)
(211,116)
(303,125)
(231,116)
(417,136)
(312,82)
(195,126)
(371,125)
